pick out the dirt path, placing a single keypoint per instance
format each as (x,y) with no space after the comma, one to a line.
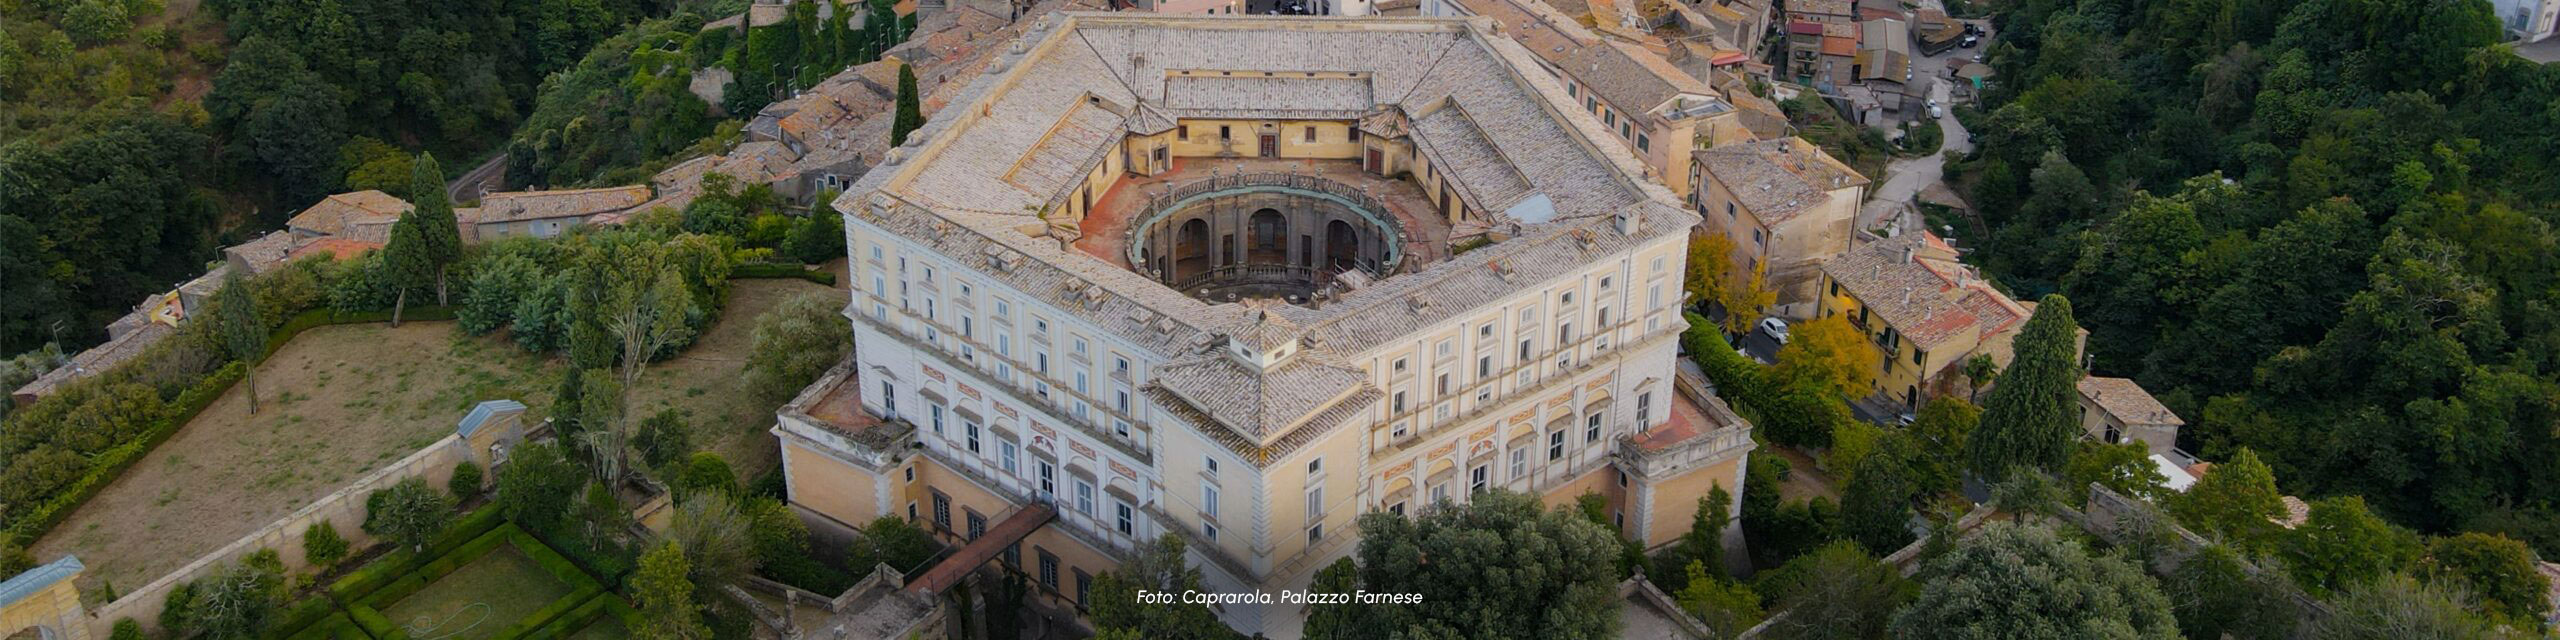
(334,404)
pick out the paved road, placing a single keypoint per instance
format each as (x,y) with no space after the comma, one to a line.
(489,176)
(1908,176)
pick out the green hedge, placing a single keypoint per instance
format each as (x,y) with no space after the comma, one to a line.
(577,619)
(304,616)
(335,627)
(362,582)
(755,270)
(540,618)
(557,565)
(374,624)
(111,464)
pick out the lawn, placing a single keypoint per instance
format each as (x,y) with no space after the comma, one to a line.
(604,628)
(707,382)
(340,401)
(478,600)
(334,404)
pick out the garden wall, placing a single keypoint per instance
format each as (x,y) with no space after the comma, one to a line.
(343,509)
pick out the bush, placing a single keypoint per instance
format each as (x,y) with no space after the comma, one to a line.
(794,344)
(322,546)
(127,629)
(408,513)
(706,471)
(465,482)
(817,239)
(662,439)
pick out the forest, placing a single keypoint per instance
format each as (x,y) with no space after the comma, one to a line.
(138,138)
(2317,229)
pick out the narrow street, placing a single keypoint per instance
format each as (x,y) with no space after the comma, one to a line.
(1907,177)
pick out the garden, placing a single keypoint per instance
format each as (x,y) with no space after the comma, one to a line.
(483,578)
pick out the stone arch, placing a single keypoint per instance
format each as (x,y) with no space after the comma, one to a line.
(1191,249)
(1267,237)
(1341,245)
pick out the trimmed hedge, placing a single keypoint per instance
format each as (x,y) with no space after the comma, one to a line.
(335,627)
(557,565)
(106,467)
(373,576)
(576,620)
(375,624)
(543,617)
(305,616)
(111,464)
(755,270)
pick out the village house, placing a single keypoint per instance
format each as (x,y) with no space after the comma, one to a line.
(1925,313)
(544,214)
(1786,206)
(2116,411)
(362,215)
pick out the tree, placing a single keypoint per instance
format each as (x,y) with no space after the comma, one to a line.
(894,541)
(127,629)
(1854,594)
(2026,493)
(1155,567)
(2397,607)
(1875,509)
(2234,503)
(665,597)
(1704,542)
(1936,440)
(706,472)
(2214,594)
(237,603)
(536,486)
(2342,545)
(408,261)
(409,513)
(1728,608)
(714,535)
(322,547)
(910,115)
(1342,619)
(2498,569)
(1829,354)
(1713,277)
(434,208)
(1979,371)
(465,481)
(244,335)
(2029,421)
(818,239)
(2014,581)
(662,438)
(794,344)
(1496,566)
(2125,468)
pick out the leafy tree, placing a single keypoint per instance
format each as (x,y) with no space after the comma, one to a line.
(127,629)
(2235,503)
(2500,570)
(2029,420)
(408,261)
(1855,593)
(1830,355)
(1875,509)
(236,603)
(794,344)
(1936,441)
(2012,581)
(541,324)
(664,596)
(1979,371)
(715,537)
(2215,594)
(465,481)
(1703,542)
(818,239)
(1713,277)
(2343,545)
(895,542)
(244,334)
(706,472)
(1155,567)
(2397,607)
(1341,618)
(408,513)
(375,165)
(536,486)
(1498,567)
(662,438)
(1728,608)
(2026,493)
(909,116)
(497,289)
(2125,468)
(112,192)
(322,547)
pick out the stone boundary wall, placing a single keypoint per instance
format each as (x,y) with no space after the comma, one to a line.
(343,508)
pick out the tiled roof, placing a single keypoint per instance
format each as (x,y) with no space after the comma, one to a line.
(1061,156)
(335,247)
(1916,284)
(36,580)
(482,413)
(335,215)
(2127,401)
(1272,91)
(101,358)
(1258,403)
(514,206)
(1842,8)
(1777,179)
(264,253)
(1629,76)
(1458,146)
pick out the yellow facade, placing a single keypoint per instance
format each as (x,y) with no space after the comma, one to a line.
(844,492)
(1675,501)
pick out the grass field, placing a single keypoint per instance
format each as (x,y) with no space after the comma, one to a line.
(341,401)
(604,628)
(478,600)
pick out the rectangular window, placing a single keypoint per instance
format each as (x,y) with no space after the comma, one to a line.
(1048,479)
(1048,570)
(1082,582)
(1447,346)
(972,429)
(936,411)
(1555,446)
(941,511)
(1315,533)
(1209,499)
(1121,400)
(1223,133)
(1210,465)
(1315,467)
(1084,497)
(1524,348)
(1480,478)
(1397,406)
(977,526)
(1398,367)
(1315,504)
(1209,531)
(1006,456)
(1519,463)
(1127,520)
(1400,430)
(1484,367)
(1591,428)
(1644,408)
(1444,384)
(1311,134)
(1182,133)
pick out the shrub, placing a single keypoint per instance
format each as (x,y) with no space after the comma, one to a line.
(408,513)
(662,439)
(794,344)
(127,629)
(706,471)
(322,546)
(817,239)
(465,482)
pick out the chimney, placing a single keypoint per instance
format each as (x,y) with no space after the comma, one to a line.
(1906,296)
(1908,251)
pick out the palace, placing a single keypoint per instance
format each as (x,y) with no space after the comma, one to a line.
(1241,280)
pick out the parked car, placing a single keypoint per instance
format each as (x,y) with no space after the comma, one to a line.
(1935,112)
(1776,328)
(1970,41)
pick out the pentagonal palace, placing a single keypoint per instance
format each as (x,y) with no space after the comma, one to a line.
(1242,280)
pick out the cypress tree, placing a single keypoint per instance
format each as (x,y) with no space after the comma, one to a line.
(910,114)
(407,261)
(434,209)
(2027,421)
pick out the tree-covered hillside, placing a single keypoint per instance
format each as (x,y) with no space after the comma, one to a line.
(2320,229)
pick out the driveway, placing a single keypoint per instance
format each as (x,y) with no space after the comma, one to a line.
(1908,176)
